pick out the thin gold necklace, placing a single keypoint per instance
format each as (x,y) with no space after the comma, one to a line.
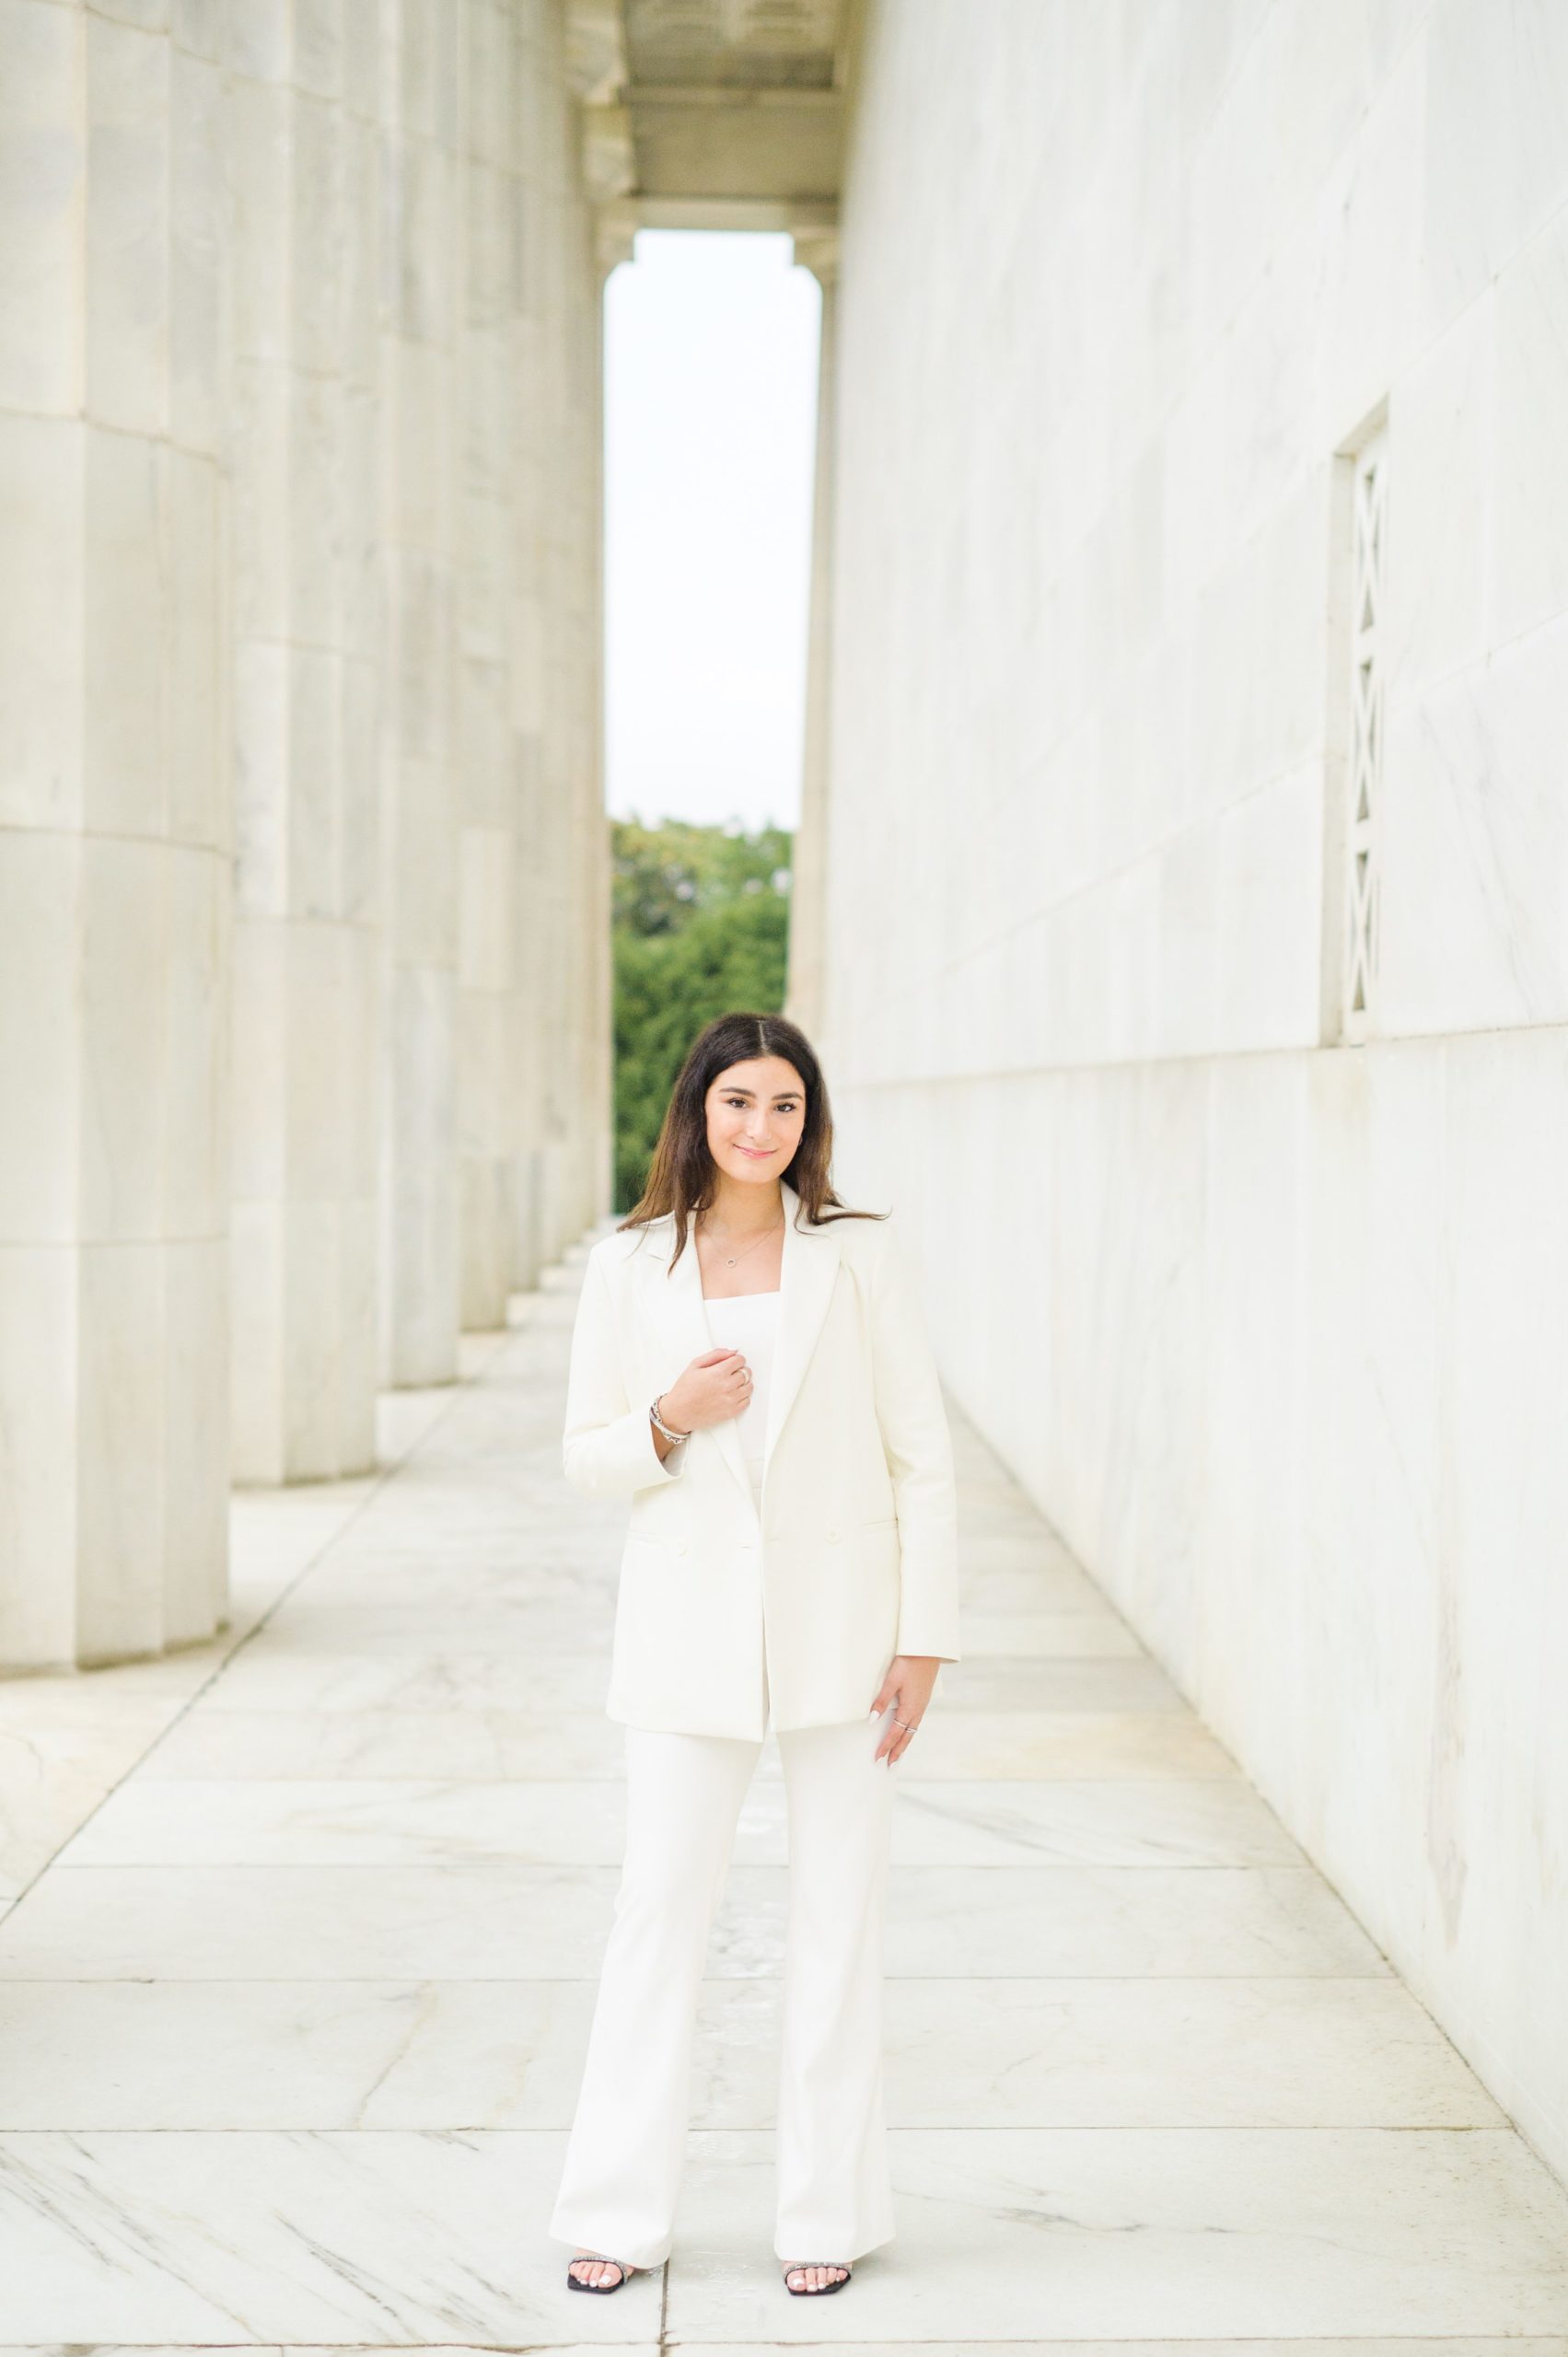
(730,1258)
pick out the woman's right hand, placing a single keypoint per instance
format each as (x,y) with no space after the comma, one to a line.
(712,1390)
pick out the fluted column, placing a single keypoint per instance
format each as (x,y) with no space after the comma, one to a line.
(423,280)
(303,111)
(535,1007)
(818,252)
(587,1195)
(115,837)
(497,772)
(573,1102)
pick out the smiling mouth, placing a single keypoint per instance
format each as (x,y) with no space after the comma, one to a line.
(757,1153)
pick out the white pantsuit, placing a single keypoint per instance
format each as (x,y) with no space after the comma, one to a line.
(758,1588)
(625,2153)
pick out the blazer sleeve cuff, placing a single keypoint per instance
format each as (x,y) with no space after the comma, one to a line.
(620,1457)
(659,1468)
(935,1641)
(928,1604)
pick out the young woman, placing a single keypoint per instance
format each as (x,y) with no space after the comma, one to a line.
(750,1367)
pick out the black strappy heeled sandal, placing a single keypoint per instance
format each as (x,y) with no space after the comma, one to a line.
(586,2259)
(814,2291)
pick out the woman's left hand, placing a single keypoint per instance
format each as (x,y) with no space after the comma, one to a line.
(907,1687)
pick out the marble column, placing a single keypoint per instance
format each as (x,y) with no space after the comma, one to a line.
(534,1003)
(114,834)
(498,771)
(575,1103)
(303,107)
(424,283)
(589,1184)
(806,997)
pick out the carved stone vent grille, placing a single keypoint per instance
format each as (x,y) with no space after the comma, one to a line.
(1365,746)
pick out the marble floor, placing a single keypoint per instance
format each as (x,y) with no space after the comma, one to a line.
(298,1935)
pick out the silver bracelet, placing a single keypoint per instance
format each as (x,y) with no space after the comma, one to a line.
(660,1424)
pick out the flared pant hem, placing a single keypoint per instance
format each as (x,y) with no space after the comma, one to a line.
(581,2239)
(825,2248)
(625,2156)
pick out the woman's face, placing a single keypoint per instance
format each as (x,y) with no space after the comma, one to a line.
(755,1112)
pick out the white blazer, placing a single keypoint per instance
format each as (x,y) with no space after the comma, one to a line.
(852,1556)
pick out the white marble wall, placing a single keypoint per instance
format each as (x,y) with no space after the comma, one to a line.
(114,832)
(300,800)
(1273,1332)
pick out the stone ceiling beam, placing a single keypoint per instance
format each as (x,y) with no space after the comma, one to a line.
(717,115)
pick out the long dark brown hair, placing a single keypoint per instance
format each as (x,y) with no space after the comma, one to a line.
(682,1177)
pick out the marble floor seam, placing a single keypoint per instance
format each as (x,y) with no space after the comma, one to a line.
(291,2023)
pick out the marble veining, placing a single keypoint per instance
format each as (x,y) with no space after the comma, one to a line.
(291,2024)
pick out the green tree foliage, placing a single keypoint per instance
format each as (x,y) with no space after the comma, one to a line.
(701,927)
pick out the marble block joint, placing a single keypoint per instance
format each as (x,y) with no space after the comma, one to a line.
(304,991)
(1181,884)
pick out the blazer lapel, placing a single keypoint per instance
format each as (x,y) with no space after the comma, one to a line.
(676,1300)
(810,1265)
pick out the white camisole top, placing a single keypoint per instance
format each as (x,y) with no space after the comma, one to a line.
(747,1322)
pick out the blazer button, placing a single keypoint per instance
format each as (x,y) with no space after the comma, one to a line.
(832,1535)
(681,1547)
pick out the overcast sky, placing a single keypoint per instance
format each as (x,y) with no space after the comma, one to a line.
(711,394)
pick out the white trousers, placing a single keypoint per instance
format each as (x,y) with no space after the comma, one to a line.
(626,2151)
